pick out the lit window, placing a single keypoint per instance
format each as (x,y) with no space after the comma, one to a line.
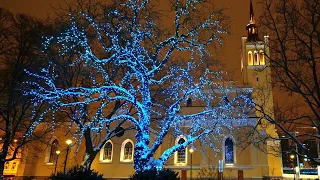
(14,166)
(127,151)
(250,62)
(261,58)
(181,153)
(6,165)
(255,58)
(106,152)
(53,155)
(229,151)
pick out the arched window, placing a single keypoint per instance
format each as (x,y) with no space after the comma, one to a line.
(250,62)
(6,165)
(255,58)
(14,166)
(106,152)
(127,151)
(180,157)
(229,151)
(189,102)
(261,58)
(54,147)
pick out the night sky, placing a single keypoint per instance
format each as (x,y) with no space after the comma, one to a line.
(237,10)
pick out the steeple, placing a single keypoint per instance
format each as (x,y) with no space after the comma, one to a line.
(251,13)
(252,29)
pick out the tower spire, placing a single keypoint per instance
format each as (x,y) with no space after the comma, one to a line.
(252,29)
(251,13)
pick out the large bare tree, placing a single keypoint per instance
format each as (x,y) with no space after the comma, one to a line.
(20,48)
(294,42)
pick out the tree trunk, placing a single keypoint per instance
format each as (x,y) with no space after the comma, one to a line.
(1,167)
(88,159)
(90,152)
(142,161)
(3,156)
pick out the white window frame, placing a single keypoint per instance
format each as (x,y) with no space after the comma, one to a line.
(48,151)
(176,153)
(122,151)
(102,153)
(224,151)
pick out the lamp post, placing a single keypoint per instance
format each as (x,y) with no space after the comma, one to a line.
(55,167)
(65,161)
(297,168)
(292,157)
(191,151)
(297,157)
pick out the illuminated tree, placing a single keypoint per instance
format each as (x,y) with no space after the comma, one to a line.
(77,74)
(148,61)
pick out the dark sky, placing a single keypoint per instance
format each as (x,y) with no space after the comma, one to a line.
(238,10)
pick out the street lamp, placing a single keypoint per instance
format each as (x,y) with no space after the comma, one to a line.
(297,169)
(69,142)
(55,167)
(292,156)
(191,151)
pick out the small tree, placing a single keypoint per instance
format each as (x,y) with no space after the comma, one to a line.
(131,43)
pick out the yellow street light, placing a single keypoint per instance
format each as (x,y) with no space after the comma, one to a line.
(292,156)
(68,142)
(58,152)
(191,150)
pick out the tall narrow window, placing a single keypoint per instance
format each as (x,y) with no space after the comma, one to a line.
(189,102)
(181,153)
(54,147)
(261,58)
(229,151)
(14,166)
(250,62)
(6,165)
(106,152)
(127,151)
(255,58)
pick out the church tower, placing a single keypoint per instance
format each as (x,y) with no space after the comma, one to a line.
(256,74)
